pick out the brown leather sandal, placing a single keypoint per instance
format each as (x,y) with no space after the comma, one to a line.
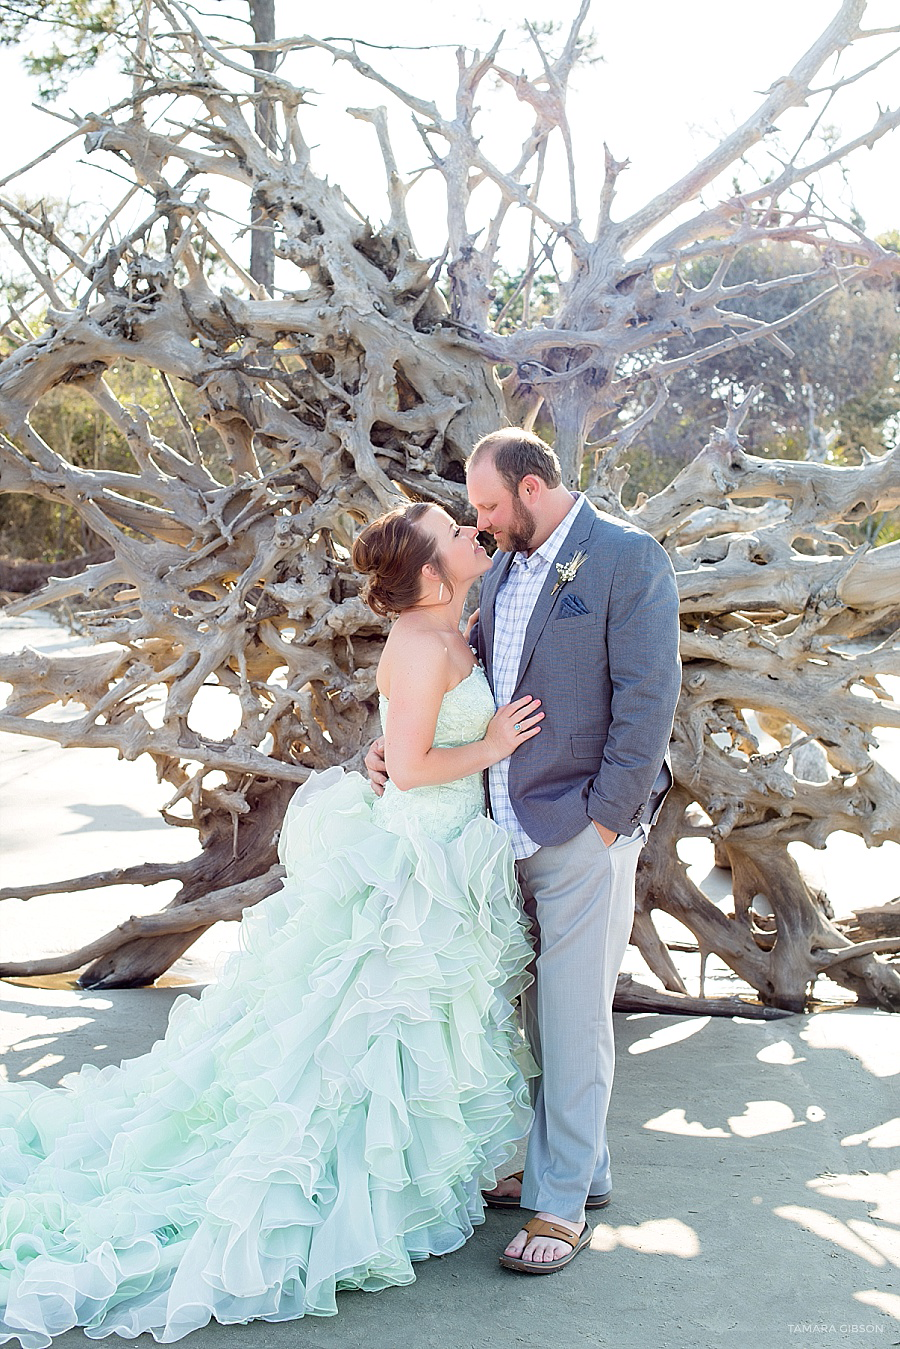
(503,1200)
(537,1227)
(511,1201)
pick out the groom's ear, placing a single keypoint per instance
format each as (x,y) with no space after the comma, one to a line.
(529,487)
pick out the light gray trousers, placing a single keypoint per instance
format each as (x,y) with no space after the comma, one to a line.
(579,897)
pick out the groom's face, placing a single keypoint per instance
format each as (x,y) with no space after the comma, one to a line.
(500,512)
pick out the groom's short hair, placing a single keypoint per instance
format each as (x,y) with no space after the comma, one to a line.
(516,454)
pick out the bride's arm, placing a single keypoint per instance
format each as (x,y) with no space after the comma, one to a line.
(418,674)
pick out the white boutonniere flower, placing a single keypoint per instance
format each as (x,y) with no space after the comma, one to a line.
(566,571)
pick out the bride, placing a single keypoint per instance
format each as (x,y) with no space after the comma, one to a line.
(329,1111)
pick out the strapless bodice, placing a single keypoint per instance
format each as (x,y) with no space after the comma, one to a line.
(441,812)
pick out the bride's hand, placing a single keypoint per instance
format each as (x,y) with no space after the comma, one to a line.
(376,767)
(472,620)
(512,725)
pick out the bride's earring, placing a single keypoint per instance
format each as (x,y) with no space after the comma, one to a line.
(441,593)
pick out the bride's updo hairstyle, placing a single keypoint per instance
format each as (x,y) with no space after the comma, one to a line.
(392,550)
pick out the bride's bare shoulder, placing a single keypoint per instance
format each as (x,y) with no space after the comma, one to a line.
(414,654)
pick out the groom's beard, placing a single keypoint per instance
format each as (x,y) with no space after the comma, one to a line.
(523,529)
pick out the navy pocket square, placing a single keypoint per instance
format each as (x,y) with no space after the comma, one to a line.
(572,604)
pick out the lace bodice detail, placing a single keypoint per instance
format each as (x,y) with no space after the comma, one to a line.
(441,812)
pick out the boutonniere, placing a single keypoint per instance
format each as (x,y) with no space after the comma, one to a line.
(567,571)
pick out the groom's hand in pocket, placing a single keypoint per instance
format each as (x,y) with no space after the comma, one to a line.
(608,836)
(376,766)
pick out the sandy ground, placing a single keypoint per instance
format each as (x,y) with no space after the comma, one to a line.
(757,1165)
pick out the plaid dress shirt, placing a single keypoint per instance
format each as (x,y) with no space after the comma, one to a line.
(513,608)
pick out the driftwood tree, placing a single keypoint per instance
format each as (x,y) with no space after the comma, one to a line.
(369,370)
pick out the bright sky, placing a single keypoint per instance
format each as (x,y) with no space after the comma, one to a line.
(673,79)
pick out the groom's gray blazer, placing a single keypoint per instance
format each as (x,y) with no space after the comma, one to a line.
(602,656)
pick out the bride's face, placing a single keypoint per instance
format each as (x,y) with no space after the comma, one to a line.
(462,556)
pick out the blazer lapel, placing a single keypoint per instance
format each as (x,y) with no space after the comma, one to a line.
(489,587)
(579,534)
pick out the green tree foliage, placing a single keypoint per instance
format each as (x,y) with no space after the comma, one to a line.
(513,291)
(71,35)
(68,418)
(834,393)
(32,528)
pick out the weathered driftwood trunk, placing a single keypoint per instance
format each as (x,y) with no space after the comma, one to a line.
(24,578)
(799,639)
(871,924)
(367,370)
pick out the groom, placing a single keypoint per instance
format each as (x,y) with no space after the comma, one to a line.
(581,611)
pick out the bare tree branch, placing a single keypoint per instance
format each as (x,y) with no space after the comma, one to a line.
(279,423)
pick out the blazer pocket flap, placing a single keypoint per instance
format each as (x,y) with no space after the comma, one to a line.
(588,747)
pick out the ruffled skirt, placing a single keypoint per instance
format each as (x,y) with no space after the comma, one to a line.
(320,1118)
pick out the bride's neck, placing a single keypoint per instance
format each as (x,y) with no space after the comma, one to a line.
(441,616)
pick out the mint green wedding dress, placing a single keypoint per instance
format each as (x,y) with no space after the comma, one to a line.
(317,1120)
